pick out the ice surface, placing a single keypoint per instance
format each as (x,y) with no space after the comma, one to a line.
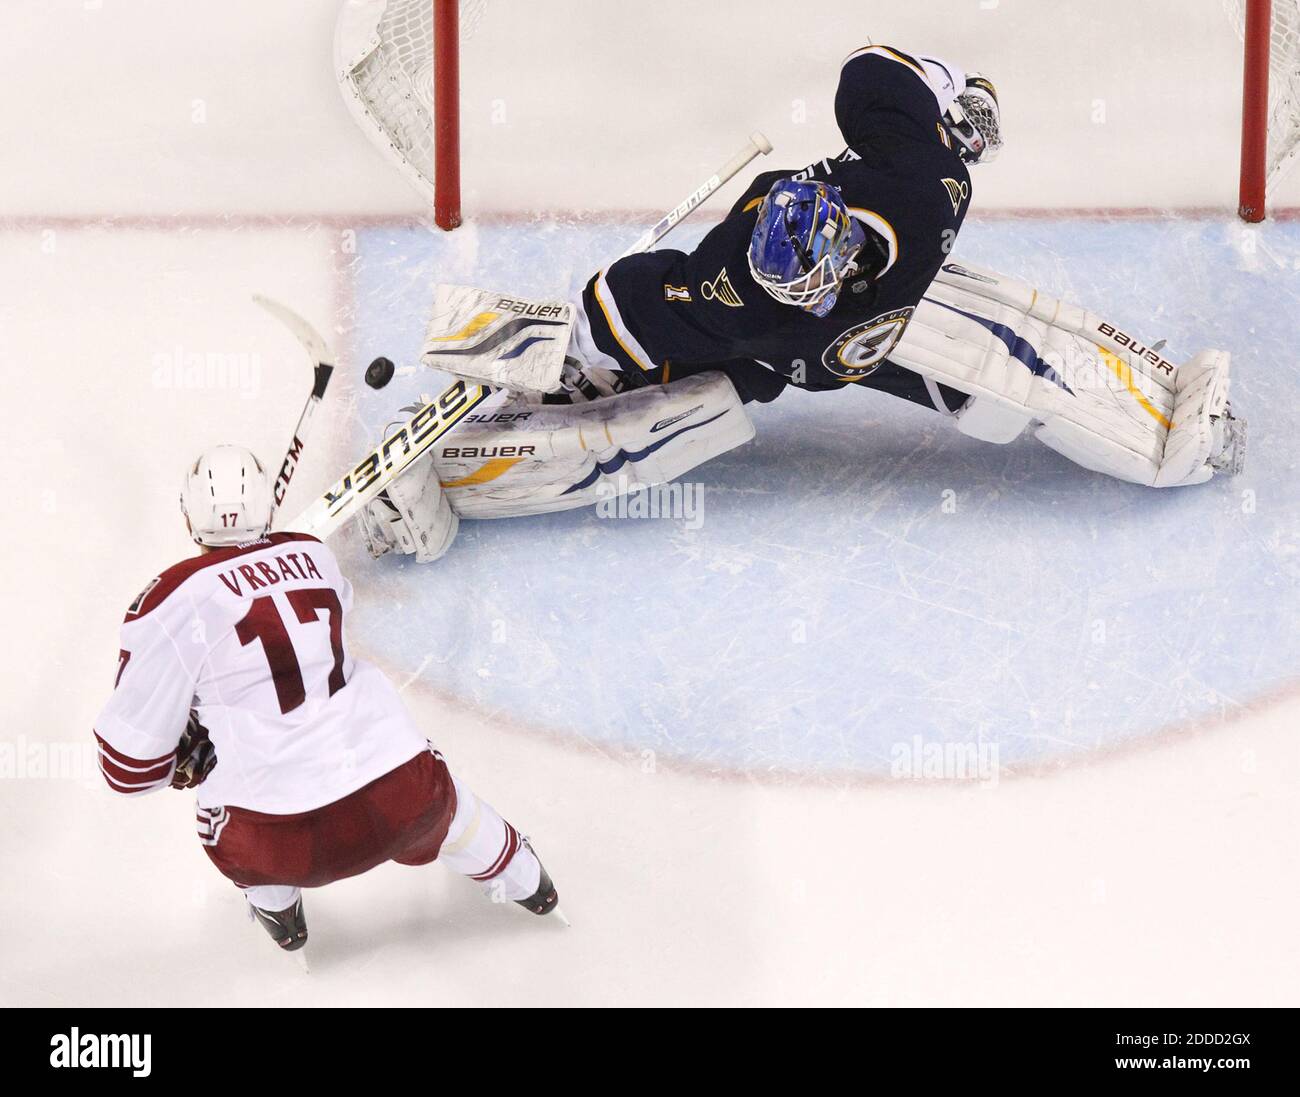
(863,573)
(210,139)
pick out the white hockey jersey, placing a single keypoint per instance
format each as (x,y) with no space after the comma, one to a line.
(252,636)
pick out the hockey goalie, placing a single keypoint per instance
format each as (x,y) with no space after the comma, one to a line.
(836,276)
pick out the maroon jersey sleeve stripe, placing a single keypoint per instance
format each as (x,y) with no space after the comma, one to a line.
(126,761)
(129,778)
(133,790)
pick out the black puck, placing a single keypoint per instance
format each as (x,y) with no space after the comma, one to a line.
(380,372)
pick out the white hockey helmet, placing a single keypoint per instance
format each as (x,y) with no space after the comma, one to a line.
(226,497)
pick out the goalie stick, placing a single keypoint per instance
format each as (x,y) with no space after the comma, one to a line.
(435,417)
(318,351)
(757,145)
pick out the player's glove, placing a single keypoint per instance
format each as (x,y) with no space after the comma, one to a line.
(195,755)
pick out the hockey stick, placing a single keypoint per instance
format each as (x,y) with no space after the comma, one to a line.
(320,356)
(757,145)
(382,465)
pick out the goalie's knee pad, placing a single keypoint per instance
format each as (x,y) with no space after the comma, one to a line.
(411,516)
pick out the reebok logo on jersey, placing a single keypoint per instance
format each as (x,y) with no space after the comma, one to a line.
(722,291)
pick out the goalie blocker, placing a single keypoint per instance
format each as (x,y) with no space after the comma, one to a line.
(1090,391)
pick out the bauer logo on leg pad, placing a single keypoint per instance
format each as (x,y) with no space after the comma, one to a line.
(1137,347)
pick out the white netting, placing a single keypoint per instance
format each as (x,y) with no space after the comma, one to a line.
(384,52)
(1283,83)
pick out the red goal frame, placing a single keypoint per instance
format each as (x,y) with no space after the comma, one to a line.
(446,113)
(1254,110)
(1251,205)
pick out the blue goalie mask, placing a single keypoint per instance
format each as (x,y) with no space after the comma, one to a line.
(804,244)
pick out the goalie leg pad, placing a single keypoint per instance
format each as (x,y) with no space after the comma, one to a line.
(991,422)
(523,458)
(1205,436)
(412,516)
(1100,397)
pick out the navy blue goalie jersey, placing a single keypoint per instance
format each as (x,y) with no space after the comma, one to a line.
(899,176)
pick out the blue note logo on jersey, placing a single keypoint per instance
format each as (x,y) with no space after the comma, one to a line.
(958,192)
(858,351)
(722,291)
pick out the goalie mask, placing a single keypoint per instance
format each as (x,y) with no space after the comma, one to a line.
(975,121)
(804,244)
(226,497)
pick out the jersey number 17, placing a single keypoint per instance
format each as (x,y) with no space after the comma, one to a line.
(263,622)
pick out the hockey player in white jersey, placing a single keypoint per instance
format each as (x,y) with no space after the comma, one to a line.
(235,678)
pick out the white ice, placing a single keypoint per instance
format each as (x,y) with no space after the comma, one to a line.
(695,726)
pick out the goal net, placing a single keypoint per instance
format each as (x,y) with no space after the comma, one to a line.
(1271,135)
(384,53)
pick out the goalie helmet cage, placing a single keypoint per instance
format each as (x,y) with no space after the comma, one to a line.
(398,66)
(1270,103)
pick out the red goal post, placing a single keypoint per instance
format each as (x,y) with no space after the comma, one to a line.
(446,113)
(1270,112)
(398,65)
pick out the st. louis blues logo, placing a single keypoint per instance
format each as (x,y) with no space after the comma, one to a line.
(958,192)
(859,350)
(722,291)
